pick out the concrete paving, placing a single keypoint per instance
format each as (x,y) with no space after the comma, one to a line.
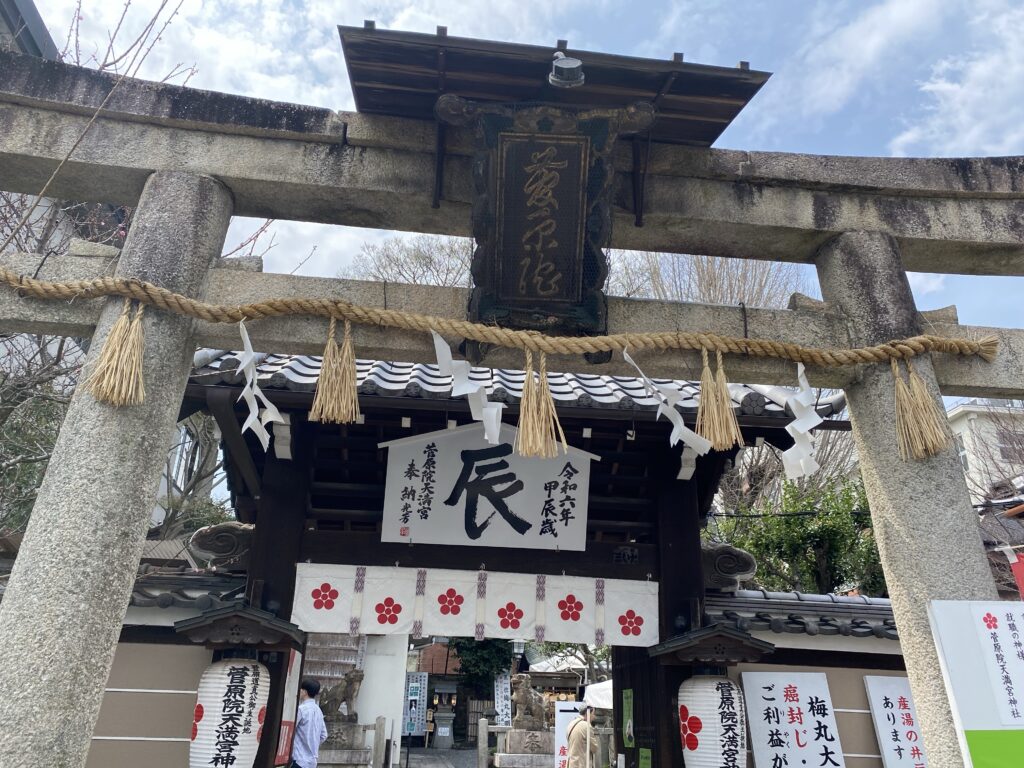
(440,758)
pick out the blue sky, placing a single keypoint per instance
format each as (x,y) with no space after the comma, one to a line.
(892,77)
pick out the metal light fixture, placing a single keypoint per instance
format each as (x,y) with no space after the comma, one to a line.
(436,699)
(454,699)
(566,72)
(518,647)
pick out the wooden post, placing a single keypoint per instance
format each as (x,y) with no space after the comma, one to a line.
(482,753)
(277,537)
(377,761)
(681,590)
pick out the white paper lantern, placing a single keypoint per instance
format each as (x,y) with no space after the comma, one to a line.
(712,723)
(228,718)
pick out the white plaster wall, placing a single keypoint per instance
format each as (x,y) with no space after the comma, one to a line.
(384,685)
(978,429)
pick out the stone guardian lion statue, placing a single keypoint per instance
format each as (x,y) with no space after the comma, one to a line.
(339,703)
(529,712)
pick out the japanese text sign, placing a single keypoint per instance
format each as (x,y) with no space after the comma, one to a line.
(565,713)
(453,487)
(792,722)
(541,216)
(981,651)
(503,699)
(227,722)
(895,719)
(415,721)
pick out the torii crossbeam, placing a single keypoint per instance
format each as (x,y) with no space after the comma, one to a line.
(189,160)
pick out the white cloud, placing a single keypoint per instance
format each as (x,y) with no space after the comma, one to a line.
(975,101)
(922,283)
(287,51)
(839,58)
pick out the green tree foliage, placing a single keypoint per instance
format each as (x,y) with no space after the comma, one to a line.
(818,539)
(481,661)
(26,439)
(597,661)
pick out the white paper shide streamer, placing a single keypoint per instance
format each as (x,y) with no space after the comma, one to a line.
(799,460)
(668,397)
(488,413)
(259,417)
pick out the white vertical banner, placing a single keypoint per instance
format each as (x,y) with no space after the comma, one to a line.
(792,722)
(895,719)
(449,603)
(511,606)
(570,607)
(503,699)
(291,705)
(389,595)
(565,713)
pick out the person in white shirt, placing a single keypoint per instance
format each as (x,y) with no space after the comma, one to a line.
(310,730)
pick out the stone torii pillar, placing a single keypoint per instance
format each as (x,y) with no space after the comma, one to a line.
(926,530)
(61,615)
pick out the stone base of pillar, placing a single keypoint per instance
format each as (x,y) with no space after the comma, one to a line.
(530,742)
(344,758)
(523,761)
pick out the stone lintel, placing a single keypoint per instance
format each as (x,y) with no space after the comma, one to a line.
(811,325)
(287,161)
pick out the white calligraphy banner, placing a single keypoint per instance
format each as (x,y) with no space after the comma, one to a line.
(792,722)
(381,600)
(454,487)
(895,719)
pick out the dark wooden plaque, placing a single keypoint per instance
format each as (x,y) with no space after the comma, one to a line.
(541,212)
(540,205)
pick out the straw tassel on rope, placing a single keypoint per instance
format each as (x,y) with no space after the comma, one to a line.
(337,396)
(716,420)
(920,428)
(117,376)
(540,431)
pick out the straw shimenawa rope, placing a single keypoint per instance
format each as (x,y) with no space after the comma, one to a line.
(117,378)
(161,298)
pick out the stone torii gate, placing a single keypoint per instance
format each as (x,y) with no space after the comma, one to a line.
(190,159)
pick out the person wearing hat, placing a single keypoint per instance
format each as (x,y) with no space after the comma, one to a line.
(582,739)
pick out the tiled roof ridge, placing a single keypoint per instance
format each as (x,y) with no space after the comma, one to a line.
(299,373)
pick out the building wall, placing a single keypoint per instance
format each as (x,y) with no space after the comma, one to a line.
(383,688)
(146,715)
(850,702)
(976,432)
(436,659)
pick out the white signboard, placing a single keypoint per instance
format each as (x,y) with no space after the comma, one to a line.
(382,600)
(895,719)
(792,722)
(414,721)
(503,699)
(291,705)
(565,713)
(981,650)
(453,487)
